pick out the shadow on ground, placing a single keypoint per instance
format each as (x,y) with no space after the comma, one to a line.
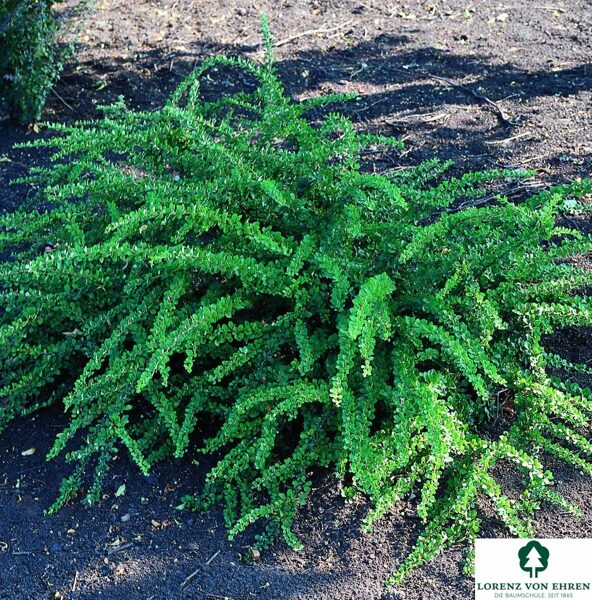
(467,108)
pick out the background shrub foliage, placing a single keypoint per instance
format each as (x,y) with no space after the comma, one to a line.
(228,269)
(30,55)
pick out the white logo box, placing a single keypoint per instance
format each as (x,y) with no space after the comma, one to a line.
(565,573)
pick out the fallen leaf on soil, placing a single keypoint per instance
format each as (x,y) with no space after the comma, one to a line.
(28,452)
(116,542)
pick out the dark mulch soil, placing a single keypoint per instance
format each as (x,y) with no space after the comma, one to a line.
(533,59)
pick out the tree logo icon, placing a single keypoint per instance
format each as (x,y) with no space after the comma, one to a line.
(534,558)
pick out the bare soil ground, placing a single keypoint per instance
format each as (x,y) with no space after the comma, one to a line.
(485,83)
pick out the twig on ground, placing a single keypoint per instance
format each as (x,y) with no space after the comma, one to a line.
(553,8)
(510,139)
(75,582)
(119,548)
(524,161)
(189,577)
(57,95)
(511,192)
(312,32)
(500,114)
(359,110)
(212,557)
(420,117)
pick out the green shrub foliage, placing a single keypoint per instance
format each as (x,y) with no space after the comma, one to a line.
(229,269)
(30,55)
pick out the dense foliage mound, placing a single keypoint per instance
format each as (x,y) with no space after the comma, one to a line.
(228,269)
(30,56)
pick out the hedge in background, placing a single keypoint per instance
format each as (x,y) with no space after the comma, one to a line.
(228,269)
(30,56)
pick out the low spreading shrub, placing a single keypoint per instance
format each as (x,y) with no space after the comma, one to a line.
(31,57)
(229,269)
